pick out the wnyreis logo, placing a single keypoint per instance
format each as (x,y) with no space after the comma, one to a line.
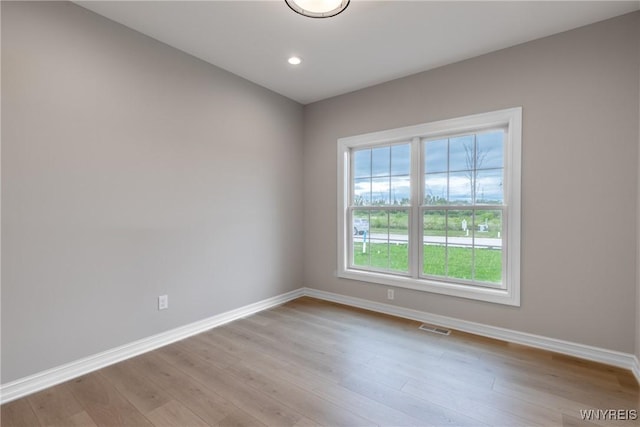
(609,414)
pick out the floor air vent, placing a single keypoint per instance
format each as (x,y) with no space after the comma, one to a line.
(434,329)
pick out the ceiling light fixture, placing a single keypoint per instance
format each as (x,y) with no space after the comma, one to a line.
(294,60)
(318,8)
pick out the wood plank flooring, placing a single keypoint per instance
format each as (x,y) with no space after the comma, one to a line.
(311,363)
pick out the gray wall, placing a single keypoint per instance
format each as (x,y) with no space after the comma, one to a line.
(579,93)
(130,170)
(638,241)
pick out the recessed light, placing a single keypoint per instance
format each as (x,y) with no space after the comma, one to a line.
(294,60)
(318,8)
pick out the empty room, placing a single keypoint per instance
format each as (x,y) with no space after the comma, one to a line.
(320,213)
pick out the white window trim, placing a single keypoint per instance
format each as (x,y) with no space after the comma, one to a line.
(512,118)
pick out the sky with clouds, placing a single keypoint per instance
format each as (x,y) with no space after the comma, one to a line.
(451,165)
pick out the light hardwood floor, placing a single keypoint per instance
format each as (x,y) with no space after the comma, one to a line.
(310,363)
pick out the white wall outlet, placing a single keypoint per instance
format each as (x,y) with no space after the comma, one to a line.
(390,294)
(163,302)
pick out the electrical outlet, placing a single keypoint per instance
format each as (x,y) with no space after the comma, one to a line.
(390,294)
(163,302)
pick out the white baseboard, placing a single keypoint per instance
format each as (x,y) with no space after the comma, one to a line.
(636,368)
(34,383)
(66,372)
(595,354)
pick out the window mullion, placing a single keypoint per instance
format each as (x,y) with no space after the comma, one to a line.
(474,198)
(415,230)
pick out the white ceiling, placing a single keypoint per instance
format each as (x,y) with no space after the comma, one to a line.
(371,42)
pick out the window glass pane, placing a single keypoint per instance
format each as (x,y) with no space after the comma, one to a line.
(362,192)
(400,190)
(360,229)
(401,159)
(461,153)
(435,156)
(488,246)
(460,187)
(459,247)
(398,240)
(399,225)
(490,150)
(360,222)
(434,242)
(381,161)
(435,189)
(380,191)
(489,188)
(379,247)
(362,163)
(379,225)
(460,227)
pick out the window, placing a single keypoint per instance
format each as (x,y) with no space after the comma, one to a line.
(434,207)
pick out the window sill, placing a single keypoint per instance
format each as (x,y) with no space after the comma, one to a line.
(498,296)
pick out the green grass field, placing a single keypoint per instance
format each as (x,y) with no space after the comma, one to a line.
(435,223)
(460,260)
(450,233)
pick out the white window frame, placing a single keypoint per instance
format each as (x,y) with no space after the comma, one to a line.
(509,292)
